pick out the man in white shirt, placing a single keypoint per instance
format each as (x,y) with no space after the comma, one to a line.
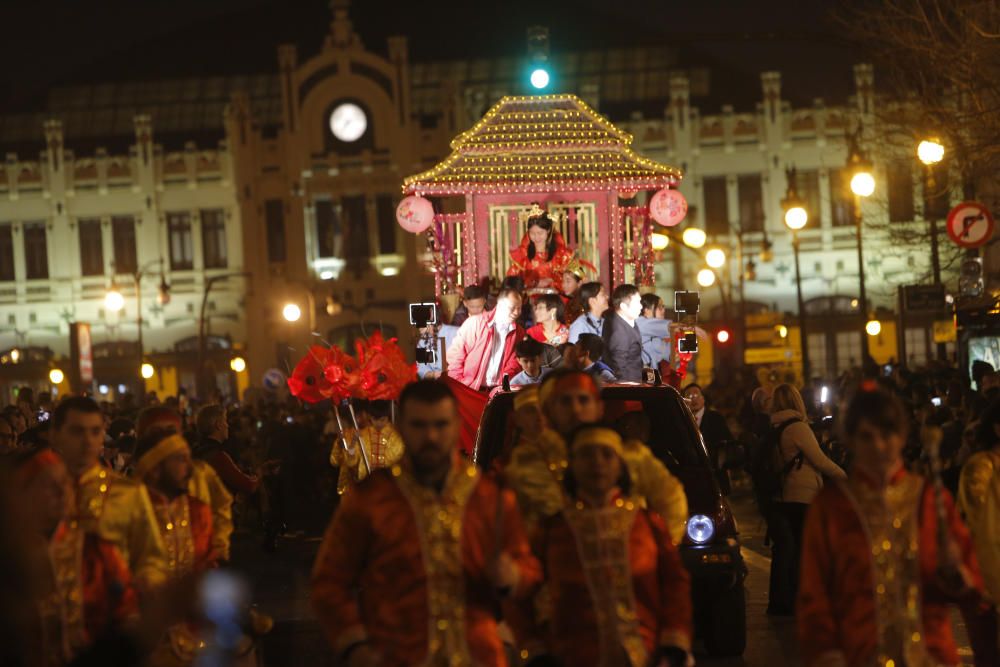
(483,349)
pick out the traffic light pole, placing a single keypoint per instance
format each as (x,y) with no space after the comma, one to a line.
(931,184)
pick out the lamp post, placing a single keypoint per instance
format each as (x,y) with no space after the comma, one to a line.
(114,301)
(796,217)
(203,380)
(931,152)
(862,185)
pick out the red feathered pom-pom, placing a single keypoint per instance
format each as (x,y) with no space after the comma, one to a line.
(307,381)
(383,370)
(342,373)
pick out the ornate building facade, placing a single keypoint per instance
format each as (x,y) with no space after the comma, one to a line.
(262,191)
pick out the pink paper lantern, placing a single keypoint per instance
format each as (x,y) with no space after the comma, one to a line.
(415,214)
(668,207)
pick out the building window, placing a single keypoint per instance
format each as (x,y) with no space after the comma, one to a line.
(841,198)
(386,214)
(356,222)
(91,250)
(123,237)
(751,203)
(213,238)
(916,346)
(817,354)
(6,253)
(807,184)
(181,244)
(716,205)
(36,253)
(900,181)
(274,217)
(848,350)
(329,237)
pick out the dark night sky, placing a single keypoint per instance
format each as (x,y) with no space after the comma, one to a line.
(67,41)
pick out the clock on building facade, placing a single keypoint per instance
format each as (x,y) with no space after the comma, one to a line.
(348,122)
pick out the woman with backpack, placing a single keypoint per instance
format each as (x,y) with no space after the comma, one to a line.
(801,466)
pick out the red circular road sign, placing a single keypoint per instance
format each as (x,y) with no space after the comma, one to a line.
(970,224)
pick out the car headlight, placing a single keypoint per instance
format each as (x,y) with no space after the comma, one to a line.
(700,528)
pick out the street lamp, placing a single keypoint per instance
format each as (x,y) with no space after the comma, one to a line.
(56,376)
(113,300)
(873,327)
(238,364)
(291,312)
(203,379)
(147,371)
(715,258)
(694,237)
(796,216)
(931,152)
(706,277)
(862,185)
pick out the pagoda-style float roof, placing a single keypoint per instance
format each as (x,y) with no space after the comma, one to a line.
(545,143)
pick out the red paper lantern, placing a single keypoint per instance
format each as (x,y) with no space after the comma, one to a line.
(668,207)
(415,214)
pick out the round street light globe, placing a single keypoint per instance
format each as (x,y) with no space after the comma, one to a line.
(694,237)
(715,258)
(706,277)
(930,151)
(873,328)
(722,336)
(796,218)
(146,370)
(539,78)
(114,301)
(56,376)
(863,184)
(238,364)
(291,312)
(659,241)
(782,331)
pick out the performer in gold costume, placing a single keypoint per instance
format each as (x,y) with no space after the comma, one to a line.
(205,484)
(164,465)
(109,505)
(381,441)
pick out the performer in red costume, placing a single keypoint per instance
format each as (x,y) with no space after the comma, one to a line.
(413,565)
(620,594)
(542,256)
(884,554)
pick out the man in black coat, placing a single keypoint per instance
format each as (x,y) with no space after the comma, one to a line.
(622,341)
(714,428)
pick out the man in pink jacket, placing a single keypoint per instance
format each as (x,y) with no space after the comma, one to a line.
(483,349)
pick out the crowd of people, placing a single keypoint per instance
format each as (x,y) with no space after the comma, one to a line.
(564,550)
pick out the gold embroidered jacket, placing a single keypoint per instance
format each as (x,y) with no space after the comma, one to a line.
(118,510)
(405,568)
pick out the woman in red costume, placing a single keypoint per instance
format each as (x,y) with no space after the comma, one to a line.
(542,256)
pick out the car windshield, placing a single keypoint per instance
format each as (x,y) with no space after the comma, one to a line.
(673,438)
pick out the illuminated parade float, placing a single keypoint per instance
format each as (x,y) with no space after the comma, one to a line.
(556,152)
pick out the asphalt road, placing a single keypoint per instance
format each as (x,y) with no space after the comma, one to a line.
(281,588)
